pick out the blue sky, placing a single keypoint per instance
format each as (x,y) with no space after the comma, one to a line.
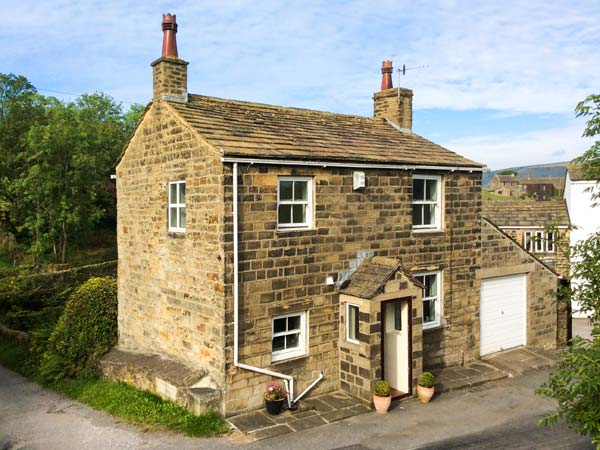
(500,83)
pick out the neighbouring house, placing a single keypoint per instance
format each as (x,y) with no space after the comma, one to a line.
(539,189)
(585,216)
(541,228)
(325,250)
(506,185)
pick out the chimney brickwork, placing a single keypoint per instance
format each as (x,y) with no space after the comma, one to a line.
(391,103)
(169,72)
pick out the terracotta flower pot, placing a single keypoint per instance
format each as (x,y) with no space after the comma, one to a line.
(274,406)
(382,404)
(424,393)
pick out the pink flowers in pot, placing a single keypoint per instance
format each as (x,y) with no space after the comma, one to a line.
(274,391)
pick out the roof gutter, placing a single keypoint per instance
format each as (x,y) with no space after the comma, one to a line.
(351,165)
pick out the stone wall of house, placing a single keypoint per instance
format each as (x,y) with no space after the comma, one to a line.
(285,271)
(171,285)
(560,256)
(499,252)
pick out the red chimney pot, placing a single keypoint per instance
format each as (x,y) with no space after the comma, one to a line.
(386,75)
(169,27)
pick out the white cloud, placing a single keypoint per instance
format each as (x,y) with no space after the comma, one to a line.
(511,150)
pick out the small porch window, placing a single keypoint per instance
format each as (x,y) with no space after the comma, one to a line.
(352,323)
(176,211)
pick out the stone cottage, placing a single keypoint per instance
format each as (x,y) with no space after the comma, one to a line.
(325,250)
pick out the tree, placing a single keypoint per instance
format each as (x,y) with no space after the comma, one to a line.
(508,172)
(20,108)
(70,159)
(575,383)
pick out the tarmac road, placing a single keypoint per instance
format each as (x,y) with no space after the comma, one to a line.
(498,415)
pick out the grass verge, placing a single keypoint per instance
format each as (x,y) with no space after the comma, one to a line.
(119,399)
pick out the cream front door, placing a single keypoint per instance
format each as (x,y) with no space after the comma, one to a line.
(396,342)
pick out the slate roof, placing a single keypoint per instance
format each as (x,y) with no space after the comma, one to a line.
(526,212)
(370,277)
(255,130)
(576,174)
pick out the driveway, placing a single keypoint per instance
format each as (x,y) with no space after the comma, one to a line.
(500,414)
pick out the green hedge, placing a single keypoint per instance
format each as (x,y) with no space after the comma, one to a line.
(86,330)
(35,292)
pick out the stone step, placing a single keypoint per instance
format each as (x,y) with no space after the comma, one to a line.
(172,380)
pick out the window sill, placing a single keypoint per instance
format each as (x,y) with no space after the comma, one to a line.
(176,234)
(433,327)
(288,360)
(427,231)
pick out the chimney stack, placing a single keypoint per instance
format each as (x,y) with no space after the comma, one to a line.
(169,72)
(393,104)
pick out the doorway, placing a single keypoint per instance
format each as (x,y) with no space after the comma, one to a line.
(396,345)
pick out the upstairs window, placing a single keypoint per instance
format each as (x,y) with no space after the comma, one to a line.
(527,242)
(550,242)
(177,206)
(426,202)
(431,282)
(539,242)
(294,202)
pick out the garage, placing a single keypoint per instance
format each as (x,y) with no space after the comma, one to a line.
(503,313)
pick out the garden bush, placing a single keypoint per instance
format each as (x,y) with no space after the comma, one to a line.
(86,330)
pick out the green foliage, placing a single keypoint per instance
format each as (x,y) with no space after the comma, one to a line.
(427,380)
(26,320)
(141,407)
(508,172)
(382,388)
(55,164)
(86,330)
(39,291)
(590,160)
(575,383)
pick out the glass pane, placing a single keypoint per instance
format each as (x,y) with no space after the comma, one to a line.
(172,193)
(181,192)
(285,190)
(285,213)
(428,311)
(292,340)
(300,190)
(278,343)
(299,213)
(431,190)
(181,217)
(279,325)
(430,286)
(173,217)
(397,316)
(293,323)
(417,214)
(428,214)
(352,322)
(418,189)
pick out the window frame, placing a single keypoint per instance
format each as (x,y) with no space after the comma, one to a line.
(437,216)
(178,205)
(308,212)
(301,350)
(527,241)
(438,312)
(348,324)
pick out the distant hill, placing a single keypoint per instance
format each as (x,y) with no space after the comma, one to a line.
(553,170)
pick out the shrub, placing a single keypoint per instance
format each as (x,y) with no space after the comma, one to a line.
(382,388)
(427,379)
(86,330)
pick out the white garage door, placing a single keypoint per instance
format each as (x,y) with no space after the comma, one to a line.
(502,313)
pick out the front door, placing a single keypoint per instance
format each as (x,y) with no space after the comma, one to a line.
(396,342)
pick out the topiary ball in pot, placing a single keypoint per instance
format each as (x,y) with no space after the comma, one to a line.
(86,330)
(382,396)
(426,387)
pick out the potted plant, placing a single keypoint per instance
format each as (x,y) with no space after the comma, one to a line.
(382,397)
(426,388)
(274,397)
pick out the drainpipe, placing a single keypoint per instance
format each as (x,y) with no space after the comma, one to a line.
(287,379)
